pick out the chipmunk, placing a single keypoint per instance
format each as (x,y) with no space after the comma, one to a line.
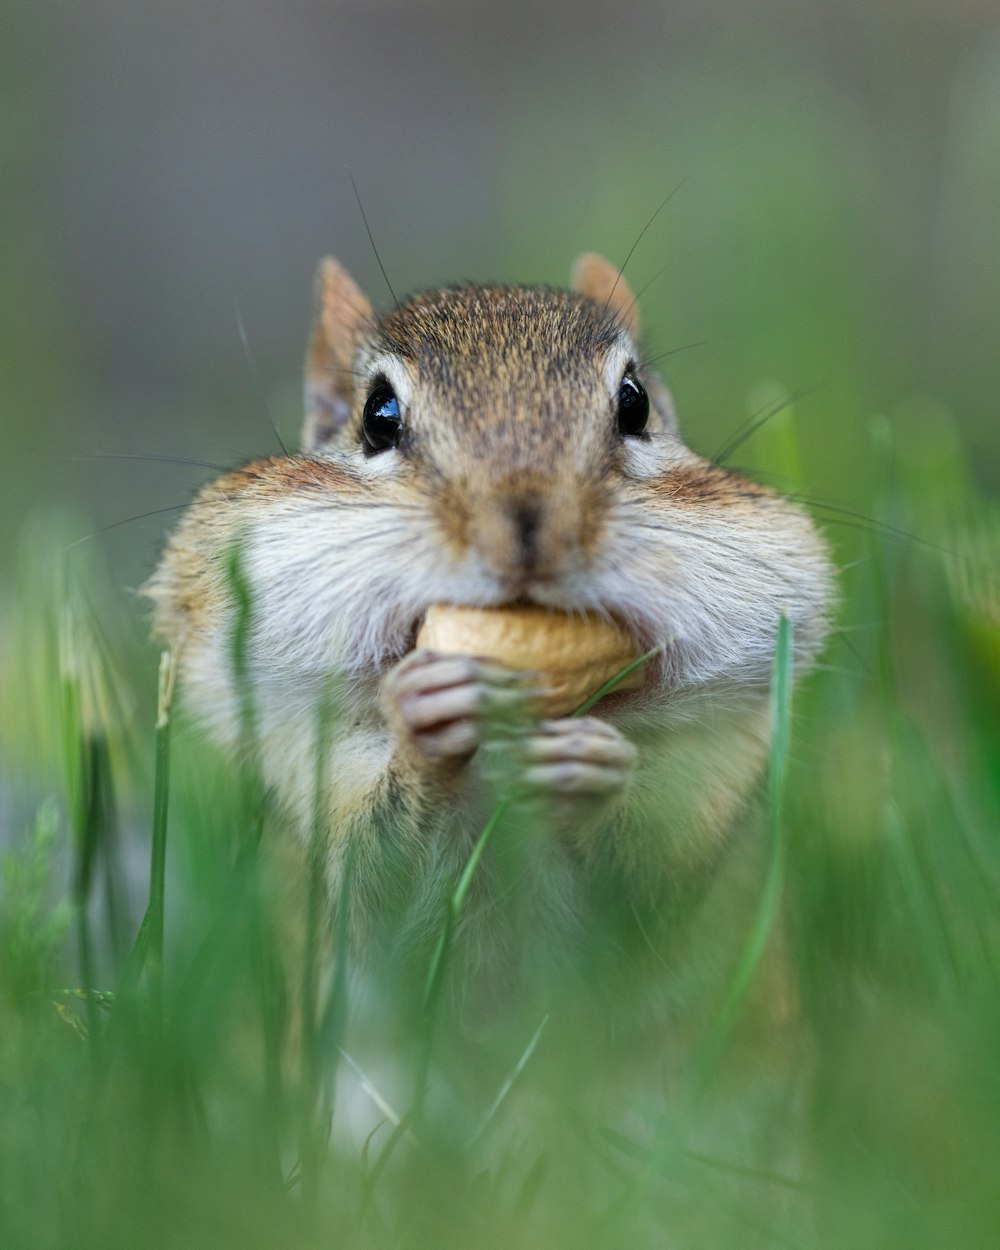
(490,446)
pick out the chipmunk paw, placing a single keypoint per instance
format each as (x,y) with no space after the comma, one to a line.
(443,706)
(574,758)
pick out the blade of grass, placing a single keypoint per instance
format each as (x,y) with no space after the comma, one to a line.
(265,968)
(153,924)
(508,1083)
(87,784)
(766,914)
(334,1022)
(614,682)
(310,1135)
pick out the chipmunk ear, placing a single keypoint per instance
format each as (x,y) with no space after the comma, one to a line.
(343,313)
(599,280)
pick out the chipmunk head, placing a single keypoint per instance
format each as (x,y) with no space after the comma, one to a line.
(515,406)
(489,446)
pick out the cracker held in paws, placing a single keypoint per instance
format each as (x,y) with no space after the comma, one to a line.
(572,655)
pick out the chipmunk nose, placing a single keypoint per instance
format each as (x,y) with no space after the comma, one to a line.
(527,519)
(526,538)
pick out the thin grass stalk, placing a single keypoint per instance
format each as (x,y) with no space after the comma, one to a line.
(83,811)
(310,1133)
(334,1022)
(769,906)
(265,970)
(239,641)
(508,1083)
(271,1002)
(158,852)
(115,916)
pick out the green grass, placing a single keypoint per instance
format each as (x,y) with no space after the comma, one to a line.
(157,1088)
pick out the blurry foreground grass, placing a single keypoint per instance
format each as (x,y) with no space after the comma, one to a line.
(157,1089)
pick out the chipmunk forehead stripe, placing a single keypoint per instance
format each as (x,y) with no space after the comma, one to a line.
(394,370)
(621,354)
(478,323)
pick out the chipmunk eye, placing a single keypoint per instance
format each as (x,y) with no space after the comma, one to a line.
(382,422)
(633,406)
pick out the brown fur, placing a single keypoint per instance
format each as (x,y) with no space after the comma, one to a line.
(709,484)
(508,397)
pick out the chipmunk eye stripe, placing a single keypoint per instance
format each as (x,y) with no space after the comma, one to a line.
(620,359)
(394,372)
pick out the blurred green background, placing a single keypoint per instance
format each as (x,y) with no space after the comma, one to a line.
(832,238)
(166,164)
